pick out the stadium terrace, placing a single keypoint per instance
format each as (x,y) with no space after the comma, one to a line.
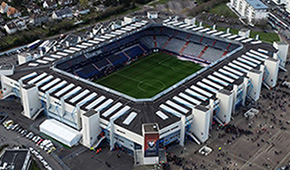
(73,83)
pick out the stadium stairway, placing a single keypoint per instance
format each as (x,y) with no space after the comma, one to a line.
(184,47)
(202,52)
(169,39)
(154,39)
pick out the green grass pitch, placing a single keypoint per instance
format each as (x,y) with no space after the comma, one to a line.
(149,75)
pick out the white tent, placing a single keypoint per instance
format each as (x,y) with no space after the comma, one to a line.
(60,132)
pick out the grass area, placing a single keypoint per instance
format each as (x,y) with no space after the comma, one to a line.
(223,10)
(267,37)
(34,166)
(150,75)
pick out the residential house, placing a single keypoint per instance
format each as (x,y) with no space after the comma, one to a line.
(65,2)
(10,27)
(49,4)
(38,19)
(33,8)
(61,14)
(13,12)
(80,11)
(4,7)
(16,25)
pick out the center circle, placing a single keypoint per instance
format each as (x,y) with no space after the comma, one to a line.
(151,85)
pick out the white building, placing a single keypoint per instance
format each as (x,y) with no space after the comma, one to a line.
(252,11)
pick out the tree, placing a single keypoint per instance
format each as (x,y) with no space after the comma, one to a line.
(84,3)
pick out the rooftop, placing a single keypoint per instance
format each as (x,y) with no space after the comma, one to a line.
(257,4)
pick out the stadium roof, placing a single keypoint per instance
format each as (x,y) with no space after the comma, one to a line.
(165,110)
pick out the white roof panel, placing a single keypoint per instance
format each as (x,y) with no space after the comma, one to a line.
(33,64)
(62,53)
(247,62)
(207,87)
(218,33)
(233,36)
(259,54)
(238,67)
(74,91)
(77,97)
(255,56)
(87,99)
(46,79)
(50,84)
(130,118)
(161,115)
(69,51)
(120,112)
(172,111)
(104,105)
(99,39)
(204,30)
(233,70)
(211,32)
(218,80)
(197,28)
(240,38)
(223,77)
(56,56)
(176,106)
(59,85)
(29,76)
(212,83)
(75,49)
(247,40)
(228,73)
(37,78)
(251,59)
(242,65)
(225,35)
(48,59)
(181,101)
(201,91)
(64,90)
(42,61)
(189,98)
(94,103)
(112,109)
(193,93)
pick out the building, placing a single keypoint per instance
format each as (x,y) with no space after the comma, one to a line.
(18,159)
(235,68)
(10,28)
(49,4)
(4,7)
(64,2)
(78,10)
(17,25)
(13,12)
(33,8)
(287,6)
(62,13)
(252,11)
(38,19)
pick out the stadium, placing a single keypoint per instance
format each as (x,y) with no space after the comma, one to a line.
(143,84)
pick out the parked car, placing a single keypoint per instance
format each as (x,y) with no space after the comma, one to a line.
(7,123)
(14,127)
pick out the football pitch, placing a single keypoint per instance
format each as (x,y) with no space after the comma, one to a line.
(149,75)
